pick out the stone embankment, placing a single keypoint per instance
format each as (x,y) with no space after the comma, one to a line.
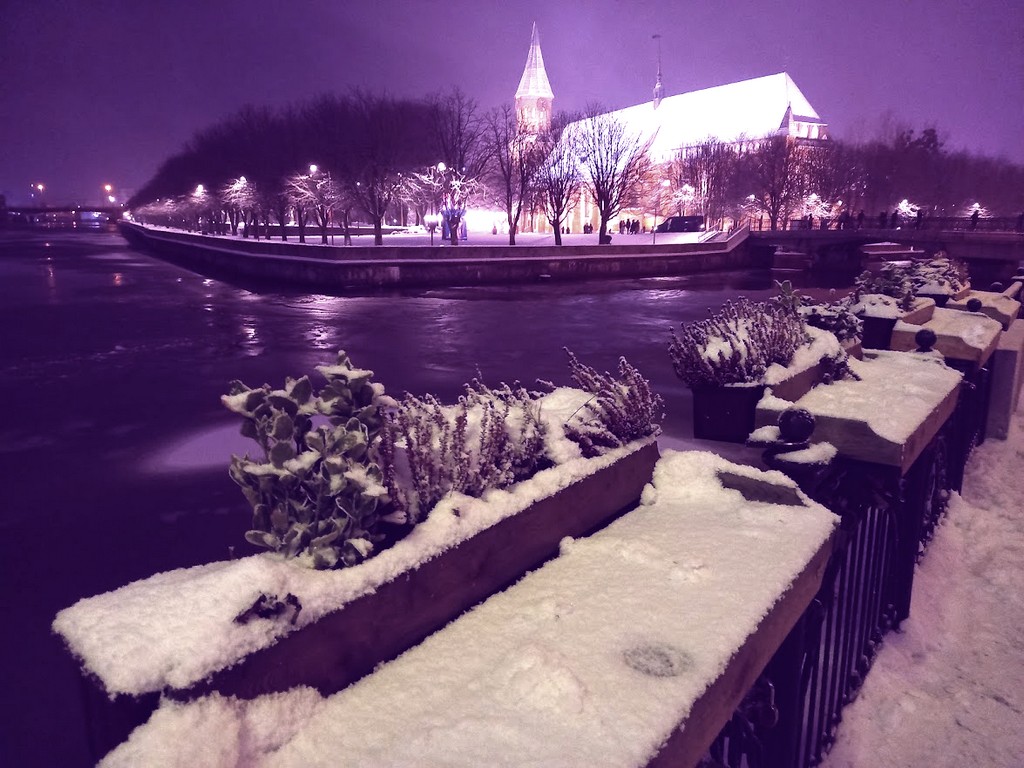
(339,269)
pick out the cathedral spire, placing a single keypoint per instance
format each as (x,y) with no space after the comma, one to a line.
(659,88)
(534,95)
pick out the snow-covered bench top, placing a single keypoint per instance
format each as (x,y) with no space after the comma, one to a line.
(1000,306)
(969,336)
(888,417)
(595,659)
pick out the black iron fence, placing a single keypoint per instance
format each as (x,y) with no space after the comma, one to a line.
(930,223)
(790,718)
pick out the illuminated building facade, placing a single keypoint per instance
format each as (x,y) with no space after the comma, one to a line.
(736,113)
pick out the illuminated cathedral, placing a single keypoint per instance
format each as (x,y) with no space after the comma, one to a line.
(734,113)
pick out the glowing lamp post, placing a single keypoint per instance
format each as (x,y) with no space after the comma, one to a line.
(431,221)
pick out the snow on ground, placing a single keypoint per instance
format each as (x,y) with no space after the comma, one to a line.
(948,690)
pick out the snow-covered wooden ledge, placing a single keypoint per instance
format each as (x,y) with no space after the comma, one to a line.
(999,305)
(176,632)
(632,648)
(970,337)
(805,369)
(888,417)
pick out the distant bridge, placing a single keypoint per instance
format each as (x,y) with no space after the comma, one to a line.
(991,254)
(32,211)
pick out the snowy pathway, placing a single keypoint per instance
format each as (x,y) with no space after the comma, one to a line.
(949,689)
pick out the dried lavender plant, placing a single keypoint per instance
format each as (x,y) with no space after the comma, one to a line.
(737,344)
(490,439)
(623,409)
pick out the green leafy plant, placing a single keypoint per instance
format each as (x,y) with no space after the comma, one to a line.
(893,280)
(939,275)
(316,492)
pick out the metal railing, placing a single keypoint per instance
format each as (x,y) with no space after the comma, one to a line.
(790,718)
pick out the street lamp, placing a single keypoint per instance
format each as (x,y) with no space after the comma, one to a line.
(431,221)
(657,208)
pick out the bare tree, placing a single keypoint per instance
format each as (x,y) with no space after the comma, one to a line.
(459,133)
(315,191)
(773,170)
(515,159)
(707,169)
(452,191)
(615,163)
(559,180)
(388,144)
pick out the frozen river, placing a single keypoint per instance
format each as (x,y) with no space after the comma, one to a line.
(114,445)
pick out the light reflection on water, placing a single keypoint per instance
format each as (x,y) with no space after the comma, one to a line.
(199,451)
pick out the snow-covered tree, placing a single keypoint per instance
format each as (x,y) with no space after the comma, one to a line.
(614,160)
(559,180)
(515,161)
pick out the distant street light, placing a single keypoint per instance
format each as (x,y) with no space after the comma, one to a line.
(431,220)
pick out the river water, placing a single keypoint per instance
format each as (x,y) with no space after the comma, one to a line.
(114,446)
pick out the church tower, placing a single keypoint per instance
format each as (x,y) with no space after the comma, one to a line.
(659,87)
(534,96)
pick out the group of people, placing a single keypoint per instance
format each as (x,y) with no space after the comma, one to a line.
(629,227)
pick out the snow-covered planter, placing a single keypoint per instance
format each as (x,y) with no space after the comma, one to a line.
(940,279)
(880,300)
(886,415)
(730,360)
(630,649)
(270,622)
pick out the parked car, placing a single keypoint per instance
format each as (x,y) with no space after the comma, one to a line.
(682,224)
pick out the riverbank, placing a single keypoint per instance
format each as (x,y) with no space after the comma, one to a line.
(338,269)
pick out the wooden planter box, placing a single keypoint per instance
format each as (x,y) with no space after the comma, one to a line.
(878,330)
(348,643)
(877,333)
(725,413)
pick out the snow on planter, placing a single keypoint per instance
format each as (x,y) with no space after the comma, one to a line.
(175,629)
(595,659)
(888,416)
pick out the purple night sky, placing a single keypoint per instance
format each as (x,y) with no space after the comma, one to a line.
(102,92)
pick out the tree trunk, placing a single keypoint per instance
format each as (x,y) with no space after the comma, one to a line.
(454,220)
(378,230)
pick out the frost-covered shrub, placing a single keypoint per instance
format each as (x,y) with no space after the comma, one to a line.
(940,275)
(316,492)
(737,344)
(893,280)
(623,408)
(835,317)
(490,439)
